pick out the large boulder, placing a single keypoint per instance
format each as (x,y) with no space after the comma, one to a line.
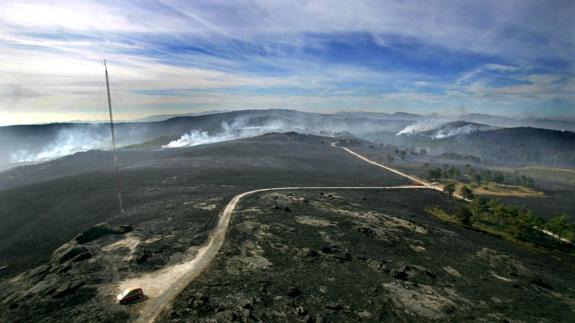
(413,273)
(69,251)
(97,231)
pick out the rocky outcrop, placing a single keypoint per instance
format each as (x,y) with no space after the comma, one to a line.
(70,251)
(100,230)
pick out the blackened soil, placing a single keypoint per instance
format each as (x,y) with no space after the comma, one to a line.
(376,256)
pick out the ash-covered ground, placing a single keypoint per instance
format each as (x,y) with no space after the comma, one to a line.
(344,256)
(172,200)
(307,256)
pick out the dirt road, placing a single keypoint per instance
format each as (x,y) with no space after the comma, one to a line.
(163,286)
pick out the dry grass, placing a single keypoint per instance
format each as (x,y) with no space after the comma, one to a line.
(495,189)
(559,175)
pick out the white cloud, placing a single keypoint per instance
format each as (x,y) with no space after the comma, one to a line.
(59,73)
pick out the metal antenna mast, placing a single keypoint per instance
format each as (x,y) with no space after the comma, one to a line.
(116,167)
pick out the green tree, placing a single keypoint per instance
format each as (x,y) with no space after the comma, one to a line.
(449,189)
(453,172)
(477,178)
(520,230)
(498,177)
(464,216)
(434,173)
(486,176)
(466,193)
(480,208)
(402,154)
(530,182)
(557,224)
(532,219)
(390,159)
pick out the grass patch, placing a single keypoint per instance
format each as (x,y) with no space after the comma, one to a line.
(441,214)
(496,189)
(527,236)
(559,175)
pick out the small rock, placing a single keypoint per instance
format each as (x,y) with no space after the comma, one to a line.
(300,311)
(294,292)
(143,257)
(225,316)
(312,253)
(169,207)
(245,303)
(327,250)
(334,306)
(376,265)
(125,228)
(366,231)
(343,257)
(364,315)
(413,273)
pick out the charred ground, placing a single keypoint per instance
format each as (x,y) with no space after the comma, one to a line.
(38,217)
(312,256)
(341,256)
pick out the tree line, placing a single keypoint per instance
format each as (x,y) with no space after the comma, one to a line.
(521,224)
(477,177)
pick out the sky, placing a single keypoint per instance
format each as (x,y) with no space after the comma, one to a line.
(513,57)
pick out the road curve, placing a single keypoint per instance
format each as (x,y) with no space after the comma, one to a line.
(179,279)
(434,187)
(400,173)
(179,276)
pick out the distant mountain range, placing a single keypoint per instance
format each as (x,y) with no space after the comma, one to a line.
(34,143)
(492,120)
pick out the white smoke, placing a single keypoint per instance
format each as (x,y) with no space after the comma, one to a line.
(67,142)
(238,129)
(423,125)
(456,131)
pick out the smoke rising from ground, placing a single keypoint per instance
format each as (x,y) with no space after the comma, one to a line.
(423,125)
(245,127)
(49,144)
(39,143)
(67,142)
(457,131)
(239,128)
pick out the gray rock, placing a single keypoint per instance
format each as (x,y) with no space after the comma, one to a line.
(334,306)
(376,265)
(124,228)
(413,273)
(225,316)
(66,289)
(97,231)
(61,255)
(81,257)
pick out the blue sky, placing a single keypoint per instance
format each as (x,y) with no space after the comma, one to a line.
(498,57)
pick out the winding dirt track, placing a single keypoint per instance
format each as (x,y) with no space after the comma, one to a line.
(163,286)
(180,276)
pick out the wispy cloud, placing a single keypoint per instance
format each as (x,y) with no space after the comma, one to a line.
(177,56)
